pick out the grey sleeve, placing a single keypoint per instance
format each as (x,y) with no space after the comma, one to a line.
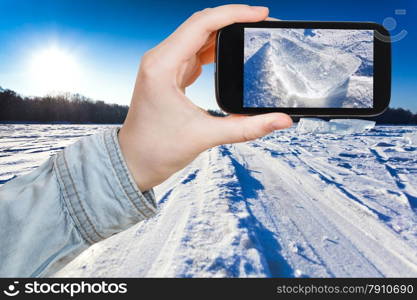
(78,197)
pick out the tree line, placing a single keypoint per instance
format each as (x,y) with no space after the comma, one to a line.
(75,108)
(65,108)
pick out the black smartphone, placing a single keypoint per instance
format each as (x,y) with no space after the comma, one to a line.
(303,68)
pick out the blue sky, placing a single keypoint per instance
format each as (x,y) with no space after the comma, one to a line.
(105,40)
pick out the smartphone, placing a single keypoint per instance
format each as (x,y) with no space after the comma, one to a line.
(303,68)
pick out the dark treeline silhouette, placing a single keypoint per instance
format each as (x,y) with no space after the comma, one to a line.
(396,116)
(75,108)
(66,108)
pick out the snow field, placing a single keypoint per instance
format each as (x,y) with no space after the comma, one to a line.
(287,205)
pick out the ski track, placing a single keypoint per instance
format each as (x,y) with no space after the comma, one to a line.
(333,214)
(286,205)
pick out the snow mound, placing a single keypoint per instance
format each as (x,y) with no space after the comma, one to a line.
(312,125)
(411,137)
(339,126)
(287,69)
(355,125)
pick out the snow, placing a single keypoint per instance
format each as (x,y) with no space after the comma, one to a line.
(411,137)
(23,147)
(339,126)
(312,125)
(287,205)
(287,68)
(355,125)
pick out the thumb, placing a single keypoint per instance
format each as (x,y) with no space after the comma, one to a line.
(238,128)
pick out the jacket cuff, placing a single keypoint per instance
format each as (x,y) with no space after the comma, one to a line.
(97,188)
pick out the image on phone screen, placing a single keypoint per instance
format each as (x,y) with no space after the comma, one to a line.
(308,68)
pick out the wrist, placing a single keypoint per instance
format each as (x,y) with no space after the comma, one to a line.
(130,155)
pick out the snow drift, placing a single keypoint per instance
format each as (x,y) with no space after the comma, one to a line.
(336,126)
(286,68)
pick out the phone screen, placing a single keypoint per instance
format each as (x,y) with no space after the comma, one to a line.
(308,68)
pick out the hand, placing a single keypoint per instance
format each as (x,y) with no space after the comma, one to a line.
(164,131)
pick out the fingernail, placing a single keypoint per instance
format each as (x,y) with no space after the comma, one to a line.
(259,8)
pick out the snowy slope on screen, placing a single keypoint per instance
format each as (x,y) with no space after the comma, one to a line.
(300,68)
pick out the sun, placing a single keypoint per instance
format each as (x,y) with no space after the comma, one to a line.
(54,70)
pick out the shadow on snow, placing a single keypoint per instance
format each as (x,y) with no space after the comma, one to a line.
(265,241)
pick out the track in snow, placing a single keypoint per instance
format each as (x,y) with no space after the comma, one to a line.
(282,206)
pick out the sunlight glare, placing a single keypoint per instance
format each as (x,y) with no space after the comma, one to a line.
(54,70)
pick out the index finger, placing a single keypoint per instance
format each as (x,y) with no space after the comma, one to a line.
(187,40)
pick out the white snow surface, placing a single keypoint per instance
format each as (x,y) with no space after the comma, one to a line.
(336,126)
(355,125)
(411,137)
(23,147)
(287,68)
(286,205)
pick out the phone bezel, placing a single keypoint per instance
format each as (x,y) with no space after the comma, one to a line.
(229,69)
